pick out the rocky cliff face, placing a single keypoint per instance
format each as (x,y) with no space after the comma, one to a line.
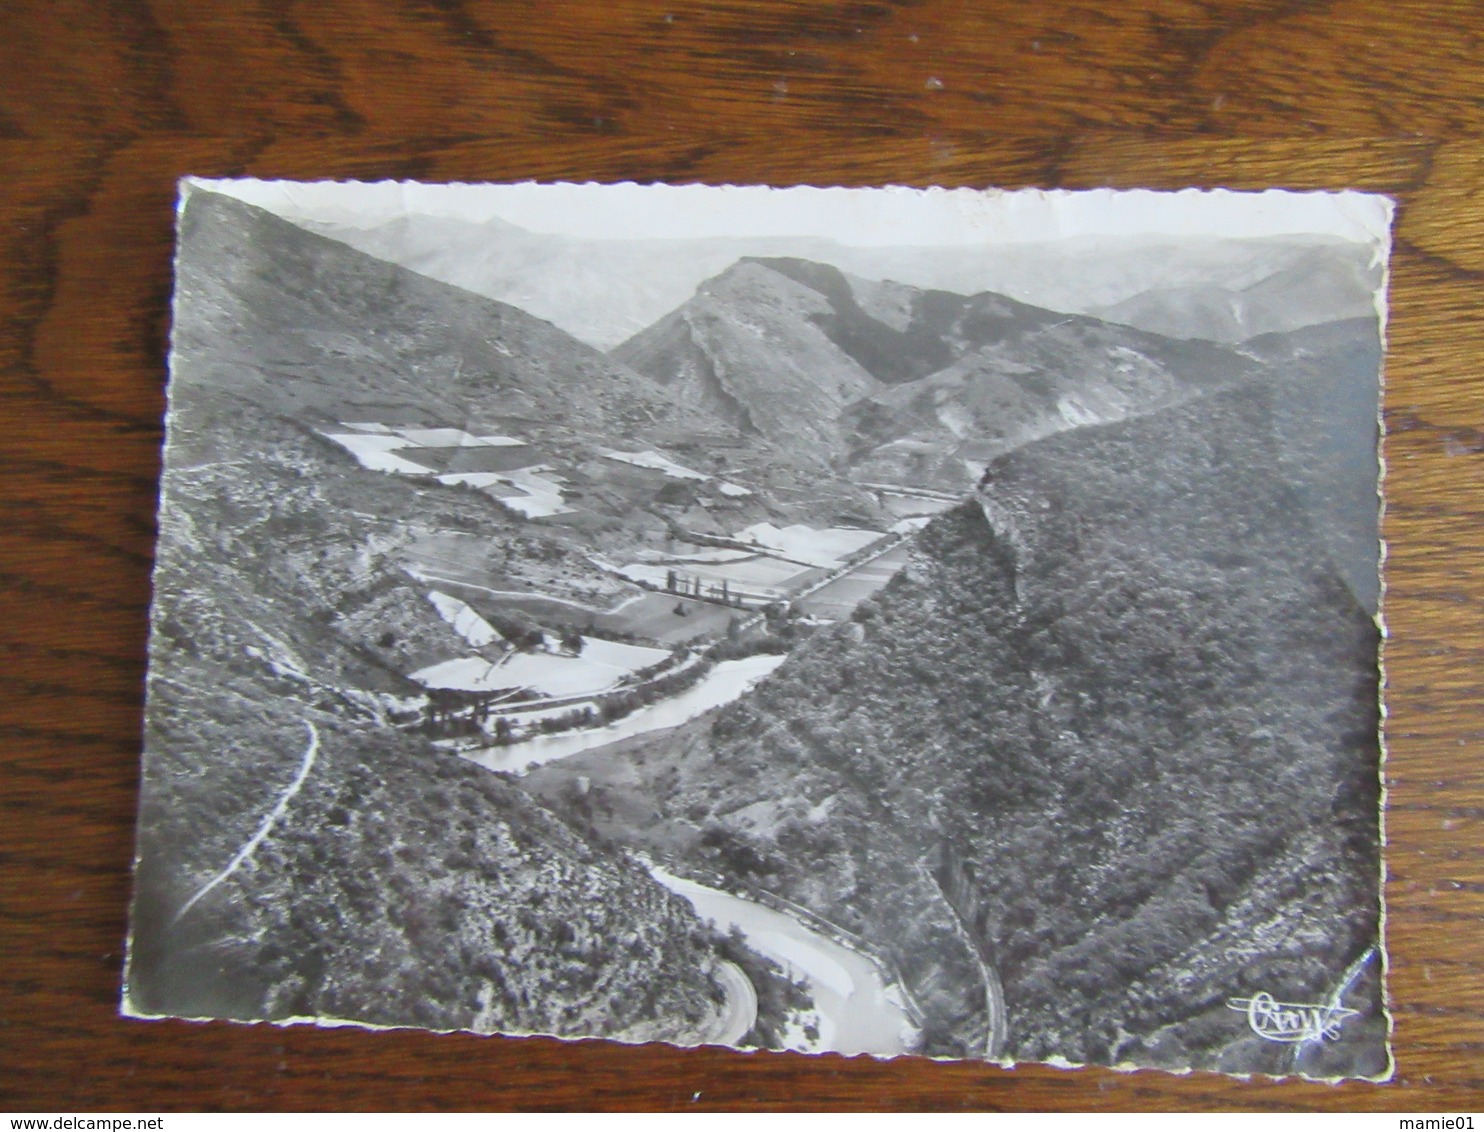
(1203,688)
(751,348)
(1325,383)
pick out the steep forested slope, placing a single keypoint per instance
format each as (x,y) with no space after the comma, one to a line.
(1120,717)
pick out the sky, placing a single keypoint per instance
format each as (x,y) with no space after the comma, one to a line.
(854,217)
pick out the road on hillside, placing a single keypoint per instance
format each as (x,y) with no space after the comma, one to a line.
(739,1014)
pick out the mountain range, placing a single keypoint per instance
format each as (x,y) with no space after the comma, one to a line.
(604,291)
(1327,283)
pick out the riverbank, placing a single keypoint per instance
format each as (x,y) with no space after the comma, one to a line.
(723,684)
(858,1010)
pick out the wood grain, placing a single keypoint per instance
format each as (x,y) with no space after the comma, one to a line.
(106,104)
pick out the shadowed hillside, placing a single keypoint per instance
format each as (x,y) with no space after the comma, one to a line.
(1113,733)
(321,328)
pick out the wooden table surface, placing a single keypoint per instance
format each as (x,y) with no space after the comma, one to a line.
(105,104)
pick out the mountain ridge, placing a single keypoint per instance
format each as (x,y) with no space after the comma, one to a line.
(899,384)
(570,281)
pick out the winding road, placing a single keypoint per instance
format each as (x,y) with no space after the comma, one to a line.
(740,1014)
(250,846)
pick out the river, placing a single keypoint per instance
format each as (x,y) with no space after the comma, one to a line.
(858,1012)
(723,684)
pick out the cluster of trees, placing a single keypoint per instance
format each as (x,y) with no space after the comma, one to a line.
(691,585)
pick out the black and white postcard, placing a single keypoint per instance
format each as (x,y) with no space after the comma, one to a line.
(874,621)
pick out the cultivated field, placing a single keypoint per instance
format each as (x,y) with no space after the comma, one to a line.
(836,600)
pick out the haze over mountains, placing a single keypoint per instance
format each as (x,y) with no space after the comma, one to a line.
(821,352)
(1301,286)
(606,291)
(901,384)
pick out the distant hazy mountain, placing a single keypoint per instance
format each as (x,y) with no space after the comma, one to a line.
(606,291)
(1324,283)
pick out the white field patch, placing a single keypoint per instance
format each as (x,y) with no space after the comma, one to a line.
(375,446)
(907,505)
(644,572)
(543,495)
(756,574)
(657,461)
(907,526)
(533,491)
(473,479)
(827,548)
(757,571)
(464,621)
(600,666)
(376,452)
(440,438)
(719,555)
